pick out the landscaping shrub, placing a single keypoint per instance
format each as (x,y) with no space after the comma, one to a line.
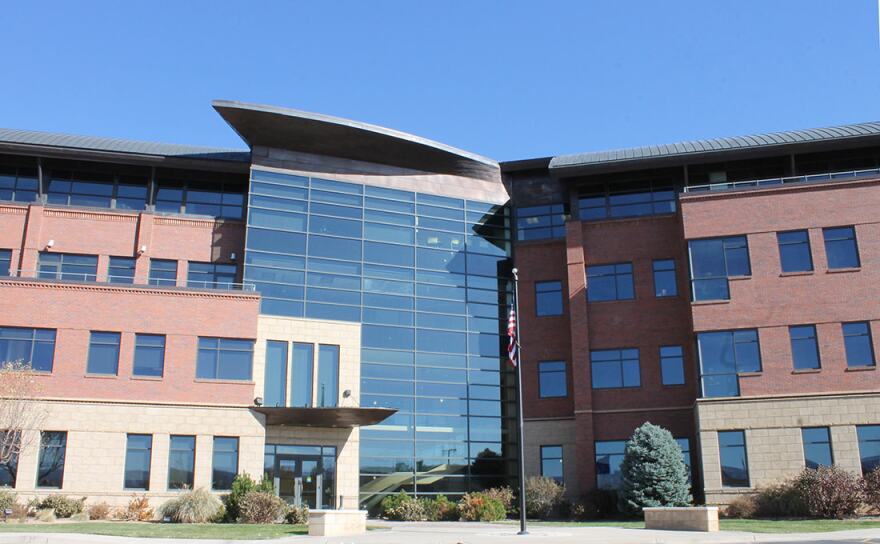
(402,507)
(297,515)
(241,486)
(439,508)
(543,496)
(7,499)
(742,507)
(872,489)
(82,516)
(601,504)
(505,495)
(46,514)
(782,500)
(194,506)
(261,507)
(653,471)
(479,506)
(99,510)
(831,492)
(578,511)
(20,511)
(138,509)
(63,506)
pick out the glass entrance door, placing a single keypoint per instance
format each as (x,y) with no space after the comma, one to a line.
(299,479)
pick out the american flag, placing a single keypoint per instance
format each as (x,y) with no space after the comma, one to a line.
(511,332)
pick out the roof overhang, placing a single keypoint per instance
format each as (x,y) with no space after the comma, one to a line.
(314,133)
(339,417)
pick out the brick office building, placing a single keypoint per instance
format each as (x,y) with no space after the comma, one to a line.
(327,308)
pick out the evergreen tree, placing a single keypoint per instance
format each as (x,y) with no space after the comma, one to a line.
(653,471)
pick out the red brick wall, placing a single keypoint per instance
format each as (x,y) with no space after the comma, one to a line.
(771,301)
(75,309)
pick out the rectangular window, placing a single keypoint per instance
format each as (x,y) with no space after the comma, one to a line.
(67,267)
(723,355)
(5,262)
(301,375)
(817,447)
(841,247)
(121,270)
(685,446)
(138,454)
(609,456)
(610,282)
(713,261)
(615,368)
(794,251)
(665,284)
(103,353)
(163,272)
(869,446)
(80,189)
(548,298)
(623,200)
(540,222)
(734,460)
(328,375)
(149,355)
(275,391)
(225,462)
(672,365)
(859,346)
(210,275)
(225,359)
(18,184)
(50,471)
(34,347)
(9,469)
(551,463)
(804,347)
(181,462)
(551,379)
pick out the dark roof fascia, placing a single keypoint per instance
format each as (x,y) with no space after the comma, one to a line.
(541,163)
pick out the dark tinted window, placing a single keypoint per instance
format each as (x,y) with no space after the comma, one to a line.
(713,260)
(609,456)
(68,266)
(225,359)
(551,379)
(138,454)
(859,347)
(665,284)
(301,375)
(163,272)
(80,189)
(103,353)
(672,365)
(610,282)
(615,368)
(841,247)
(5,262)
(225,462)
(149,355)
(538,222)
(275,390)
(817,447)
(551,463)
(210,275)
(794,251)
(328,375)
(121,270)
(804,347)
(50,471)
(34,347)
(724,354)
(181,462)
(9,469)
(869,446)
(548,298)
(734,460)
(18,184)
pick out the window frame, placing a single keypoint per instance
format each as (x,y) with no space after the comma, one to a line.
(218,350)
(42,448)
(214,452)
(541,294)
(114,278)
(34,340)
(159,281)
(128,451)
(137,344)
(855,246)
(5,257)
(737,370)
(665,271)
(542,373)
(616,275)
(92,343)
(815,345)
(869,337)
(672,358)
(780,244)
(561,458)
(829,443)
(192,461)
(863,440)
(725,259)
(620,363)
(745,456)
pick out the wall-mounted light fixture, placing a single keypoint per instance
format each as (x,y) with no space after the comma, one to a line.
(142,249)
(232,256)
(50,244)
(258,401)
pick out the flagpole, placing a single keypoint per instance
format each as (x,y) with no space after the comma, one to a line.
(519,397)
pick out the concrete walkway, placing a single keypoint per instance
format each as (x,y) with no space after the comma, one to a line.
(484,533)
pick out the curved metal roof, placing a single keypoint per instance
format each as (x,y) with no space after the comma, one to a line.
(284,128)
(700,148)
(115,145)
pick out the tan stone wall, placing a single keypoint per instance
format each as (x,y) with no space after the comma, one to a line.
(554,432)
(312,331)
(96,441)
(773,435)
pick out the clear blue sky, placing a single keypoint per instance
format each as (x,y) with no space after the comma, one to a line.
(509,80)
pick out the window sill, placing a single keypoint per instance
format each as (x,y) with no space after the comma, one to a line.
(738,278)
(622,387)
(147,378)
(860,368)
(843,270)
(102,376)
(674,385)
(749,374)
(806,370)
(801,273)
(709,302)
(611,301)
(237,382)
(550,397)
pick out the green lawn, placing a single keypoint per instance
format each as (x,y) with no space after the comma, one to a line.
(231,531)
(747,525)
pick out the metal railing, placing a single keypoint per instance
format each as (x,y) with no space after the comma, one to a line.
(89,277)
(769,182)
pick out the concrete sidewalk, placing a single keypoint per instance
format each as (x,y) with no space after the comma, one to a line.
(483,533)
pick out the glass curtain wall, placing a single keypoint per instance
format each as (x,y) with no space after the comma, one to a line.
(429,279)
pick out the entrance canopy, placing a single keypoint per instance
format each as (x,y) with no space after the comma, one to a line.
(339,417)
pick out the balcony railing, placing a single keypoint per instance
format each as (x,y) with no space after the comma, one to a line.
(90,277)
(811,178)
